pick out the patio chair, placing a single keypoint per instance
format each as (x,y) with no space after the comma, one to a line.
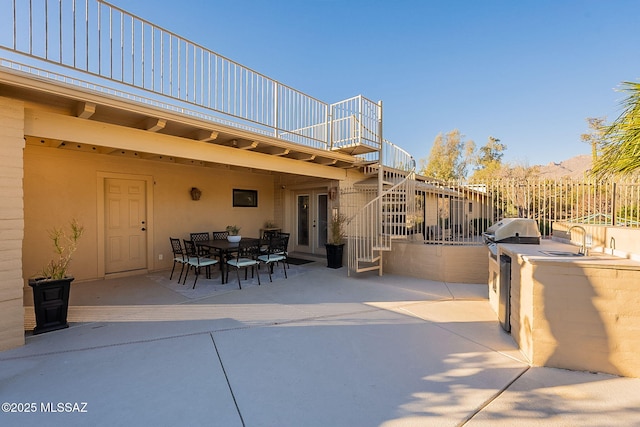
(276,252)
(197,262)
(179,257)
(248,252)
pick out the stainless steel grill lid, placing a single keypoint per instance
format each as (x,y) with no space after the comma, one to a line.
(513,230)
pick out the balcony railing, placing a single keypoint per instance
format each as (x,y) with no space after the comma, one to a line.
(94,44)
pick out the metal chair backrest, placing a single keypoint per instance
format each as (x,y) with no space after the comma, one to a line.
(285,237)
(190,248)
(277,246)
(220,235)
(267,234)
(176,248)
(249,249)
(199,237)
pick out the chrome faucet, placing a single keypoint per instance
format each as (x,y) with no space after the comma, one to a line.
(583,249)
(612,245)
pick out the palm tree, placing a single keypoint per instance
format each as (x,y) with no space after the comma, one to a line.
(621,145)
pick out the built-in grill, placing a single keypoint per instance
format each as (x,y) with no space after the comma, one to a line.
(511,230)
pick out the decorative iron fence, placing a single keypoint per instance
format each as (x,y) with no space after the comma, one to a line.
(458,213)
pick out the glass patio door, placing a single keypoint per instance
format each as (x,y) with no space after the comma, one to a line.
(311,222)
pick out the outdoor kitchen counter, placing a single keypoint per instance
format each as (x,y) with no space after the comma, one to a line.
(535,254)
(577,313)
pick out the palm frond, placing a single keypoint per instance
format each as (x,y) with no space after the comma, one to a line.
(621,148)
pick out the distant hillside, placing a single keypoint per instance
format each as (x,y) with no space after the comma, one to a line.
(574,167)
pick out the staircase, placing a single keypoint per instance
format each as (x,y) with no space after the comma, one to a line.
(388,215)
(382,208)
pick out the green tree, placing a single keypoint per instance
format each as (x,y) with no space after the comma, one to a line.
(621,145)
(449,157)
(595,137)
(489,160)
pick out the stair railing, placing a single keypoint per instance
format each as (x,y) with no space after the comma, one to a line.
(390,215)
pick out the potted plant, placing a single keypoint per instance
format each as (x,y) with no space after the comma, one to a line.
(335,245)
(51,286)
(234,233)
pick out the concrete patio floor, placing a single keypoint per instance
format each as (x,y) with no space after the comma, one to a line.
(317,349)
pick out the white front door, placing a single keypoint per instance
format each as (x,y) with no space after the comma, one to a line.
(311,213)
(125,225)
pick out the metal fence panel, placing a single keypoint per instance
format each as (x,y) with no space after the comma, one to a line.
(458,213)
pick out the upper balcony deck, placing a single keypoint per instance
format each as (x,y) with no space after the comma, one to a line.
(100,49)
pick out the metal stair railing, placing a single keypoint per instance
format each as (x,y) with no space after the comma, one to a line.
(388,216)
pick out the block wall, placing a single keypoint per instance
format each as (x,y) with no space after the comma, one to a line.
(579,318)
(11,223)
(453,264)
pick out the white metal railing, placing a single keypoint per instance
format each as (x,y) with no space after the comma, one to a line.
(452,213)
(585,201)
(356,120)
(377,217)
(456,213)
(95,41)
(140,98)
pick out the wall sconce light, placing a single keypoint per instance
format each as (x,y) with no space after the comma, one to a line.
(195,193)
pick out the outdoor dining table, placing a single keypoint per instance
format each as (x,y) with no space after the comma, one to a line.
(224,248)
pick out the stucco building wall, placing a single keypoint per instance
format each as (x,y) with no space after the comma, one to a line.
(63,184)
(11,223)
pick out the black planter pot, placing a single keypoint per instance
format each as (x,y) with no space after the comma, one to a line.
(334,255)
(51,303)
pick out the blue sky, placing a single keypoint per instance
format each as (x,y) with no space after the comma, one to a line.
(527,72)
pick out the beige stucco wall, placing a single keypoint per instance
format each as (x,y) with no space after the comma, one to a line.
(582,318)
(523,307)
(447,263)
(11,224)
(63,184)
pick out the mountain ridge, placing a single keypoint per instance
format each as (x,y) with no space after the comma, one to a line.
(575,167)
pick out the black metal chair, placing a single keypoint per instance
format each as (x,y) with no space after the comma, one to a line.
(248,252)
(195,260)
(276,252)
(179,257)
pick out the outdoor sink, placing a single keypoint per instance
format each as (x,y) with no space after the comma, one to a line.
(562,253)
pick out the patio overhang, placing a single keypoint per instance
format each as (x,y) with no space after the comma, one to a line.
(63,116)
(72,133)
